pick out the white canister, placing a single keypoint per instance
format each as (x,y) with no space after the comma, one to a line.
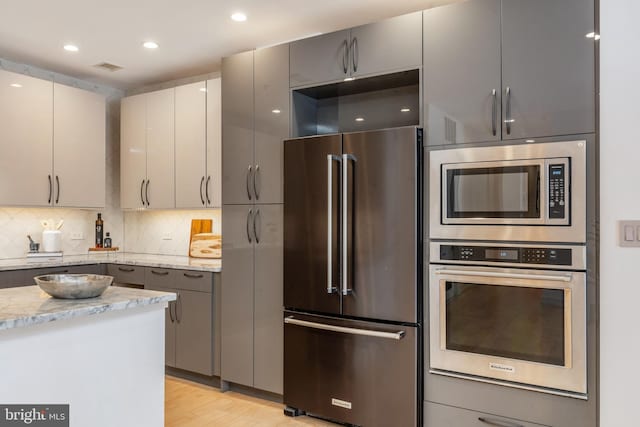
(52,241)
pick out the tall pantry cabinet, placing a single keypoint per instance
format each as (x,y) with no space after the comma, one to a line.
(255,121)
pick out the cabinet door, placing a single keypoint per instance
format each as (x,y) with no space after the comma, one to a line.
(194,332)
(548,66)
(160,187)
(78,147)
(133,151)
(319,59)
(169,326)
(191,145)
(26,135)
(271,121)
(268,326)
(214,143)
(438,415)
(461,72)
(385,46)
(237,294)
(237,128)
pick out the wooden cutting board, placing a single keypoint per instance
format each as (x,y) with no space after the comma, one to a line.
(206,245)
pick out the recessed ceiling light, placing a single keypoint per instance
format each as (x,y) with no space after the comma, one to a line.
(405,110)
(15,85)
(530,140)
(150,45)
(349,79)
(239,17)
(203,89)
(276,111)
(71,48)
(359,119)
(593,35)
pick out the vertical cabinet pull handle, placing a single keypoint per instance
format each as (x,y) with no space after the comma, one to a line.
(142,192)
(179,306)
(50,189)
(257,218)
(249,220)
(146,193)
(171,305)
(345,222)
(354,54)
(249,169)
(508,119)
(498,423)
(207,189)
(345,57)
(255,187)
(494,112)
(57,189)
(201,185)
(330,159)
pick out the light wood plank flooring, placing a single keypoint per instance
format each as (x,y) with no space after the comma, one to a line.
(189,404)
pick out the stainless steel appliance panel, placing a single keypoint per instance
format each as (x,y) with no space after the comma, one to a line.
(380,200)
(311,276)
(356,372)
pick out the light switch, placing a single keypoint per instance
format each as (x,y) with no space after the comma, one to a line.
(629,233)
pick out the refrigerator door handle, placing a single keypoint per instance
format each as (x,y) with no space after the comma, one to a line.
(343,329)
(330,159)
(345,222)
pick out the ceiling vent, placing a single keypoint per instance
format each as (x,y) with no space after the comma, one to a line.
(108,67)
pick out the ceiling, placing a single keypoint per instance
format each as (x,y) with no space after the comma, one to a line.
(193,34)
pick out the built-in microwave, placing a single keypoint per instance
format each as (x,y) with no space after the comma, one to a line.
(528,192)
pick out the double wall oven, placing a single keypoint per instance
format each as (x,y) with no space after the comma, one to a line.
(507,274)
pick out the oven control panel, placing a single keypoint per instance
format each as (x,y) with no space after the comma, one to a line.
(512,255)
(557,195)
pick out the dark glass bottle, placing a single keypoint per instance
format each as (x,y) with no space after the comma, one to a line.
(107,240)
(99,231)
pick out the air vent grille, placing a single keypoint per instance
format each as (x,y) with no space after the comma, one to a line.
(449,130)
(108,67)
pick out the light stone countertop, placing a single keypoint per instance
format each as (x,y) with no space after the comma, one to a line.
(29,305)
(146,260)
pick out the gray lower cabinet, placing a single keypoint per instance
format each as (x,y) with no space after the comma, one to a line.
(252,329)
(499,70)
(436,415)
(24,277)
(127,275)
(189,327)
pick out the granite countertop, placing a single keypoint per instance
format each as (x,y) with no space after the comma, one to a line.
(29,305)
(146,260)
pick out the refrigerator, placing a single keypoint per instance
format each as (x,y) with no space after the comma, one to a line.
(353,277)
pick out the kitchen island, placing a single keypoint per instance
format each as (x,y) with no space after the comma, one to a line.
(103,356)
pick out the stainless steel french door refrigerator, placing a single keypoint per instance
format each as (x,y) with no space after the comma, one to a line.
(352,277)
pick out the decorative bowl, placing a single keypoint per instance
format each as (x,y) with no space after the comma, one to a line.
(73,286)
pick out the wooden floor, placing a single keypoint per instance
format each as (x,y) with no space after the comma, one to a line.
(189,404)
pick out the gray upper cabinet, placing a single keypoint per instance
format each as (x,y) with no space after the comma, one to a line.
(237,128)
(320,59)
(462,87)
(271,83)
(548,65)
(390,45)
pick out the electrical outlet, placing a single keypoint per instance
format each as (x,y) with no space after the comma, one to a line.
(167,236)
(77,236)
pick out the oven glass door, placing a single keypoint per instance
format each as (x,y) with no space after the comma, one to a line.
(523,326)
(493,191)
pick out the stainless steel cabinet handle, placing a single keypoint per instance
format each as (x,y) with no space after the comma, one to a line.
(50,189)
(345,330)
(146,193)
(207,189)
(171,304)
(345,57)
(58,189)
(330,159)
(126,270)
(255,232)
(354,54)
(59,272)
(193,276)
(498,423)
(142,192)
(179,306)
(494,112)
(249,169)
(201,185)
(255,187)
(249,220)
(508,119)
(160,273)
(345,222)
(551,278)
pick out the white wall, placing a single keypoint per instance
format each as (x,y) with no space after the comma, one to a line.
(620,199)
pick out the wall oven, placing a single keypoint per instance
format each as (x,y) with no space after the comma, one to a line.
(512,314)
(511,193)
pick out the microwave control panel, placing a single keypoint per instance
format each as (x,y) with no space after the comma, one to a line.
(557,194)
(513,255)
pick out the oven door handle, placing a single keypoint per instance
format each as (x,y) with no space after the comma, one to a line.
(553,278)
(344,329)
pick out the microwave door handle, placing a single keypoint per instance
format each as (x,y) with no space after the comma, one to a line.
(552,278)
(330,159)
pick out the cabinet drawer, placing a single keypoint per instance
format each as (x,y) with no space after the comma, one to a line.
(123,273)
(436,415)
(200,281)
(164,278)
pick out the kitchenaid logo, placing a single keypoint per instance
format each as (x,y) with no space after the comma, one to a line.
(502,368)
(341,403)
(34,415)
